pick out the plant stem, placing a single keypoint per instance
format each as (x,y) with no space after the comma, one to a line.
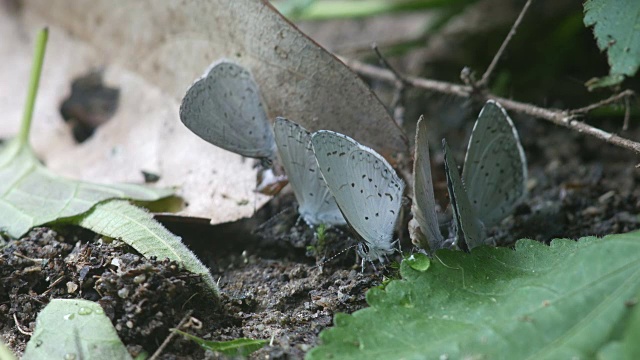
(341,9)
(34,81)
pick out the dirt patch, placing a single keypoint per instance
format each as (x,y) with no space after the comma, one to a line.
(262,298)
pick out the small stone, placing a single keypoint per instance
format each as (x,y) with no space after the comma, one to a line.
(71,287)
(123,293)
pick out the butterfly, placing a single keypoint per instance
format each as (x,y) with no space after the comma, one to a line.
(224,108)
(366,188)
(492,184)
(316,204)
(424,228)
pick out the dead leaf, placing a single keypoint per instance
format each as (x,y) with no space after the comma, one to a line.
(144,135)
(152,53)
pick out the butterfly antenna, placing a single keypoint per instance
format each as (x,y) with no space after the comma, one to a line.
(335,255)
(271,220)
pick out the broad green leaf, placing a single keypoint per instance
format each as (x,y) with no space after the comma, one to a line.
(538,302)
(135,226)
(238,347)
(616,26)
(74,329)
(624,344)
(611,351)
(5,353)
(630,343)
(31,195)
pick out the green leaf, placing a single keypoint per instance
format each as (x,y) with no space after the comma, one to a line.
(630,343)
(74,329)
(627,346)
(605,81)
(538,302)
(31,195)
(616,26)
(5,353)
(238,347)
(611,351)
(135,226)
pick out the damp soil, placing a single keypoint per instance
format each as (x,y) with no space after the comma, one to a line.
(278,282)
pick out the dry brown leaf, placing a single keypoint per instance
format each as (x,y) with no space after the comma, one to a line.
(153,51)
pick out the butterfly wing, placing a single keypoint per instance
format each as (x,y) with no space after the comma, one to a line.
(424,203)
(224,108)
(316,204)
(495,167)
(366,188)
(470,231)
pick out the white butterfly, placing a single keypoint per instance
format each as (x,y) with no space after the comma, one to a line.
(366,188)
(493,180)
(424,228)
(224,108)
(316,204)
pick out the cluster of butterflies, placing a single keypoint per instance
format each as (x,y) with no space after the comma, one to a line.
(338,181)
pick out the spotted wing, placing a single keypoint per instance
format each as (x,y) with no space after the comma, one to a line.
(366,188)
(316,204)
(470,231)
(224,108)
(495,167)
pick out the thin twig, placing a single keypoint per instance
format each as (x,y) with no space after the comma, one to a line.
(171,335)
(387,75)
(559,117)
(627,114)
(599,104)
(386,64)
(37,261)
(53,285)
(564,118)
(401,85)
(485,77)
(23,332)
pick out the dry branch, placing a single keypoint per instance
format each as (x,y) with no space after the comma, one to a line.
(485,77)
(566,118)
